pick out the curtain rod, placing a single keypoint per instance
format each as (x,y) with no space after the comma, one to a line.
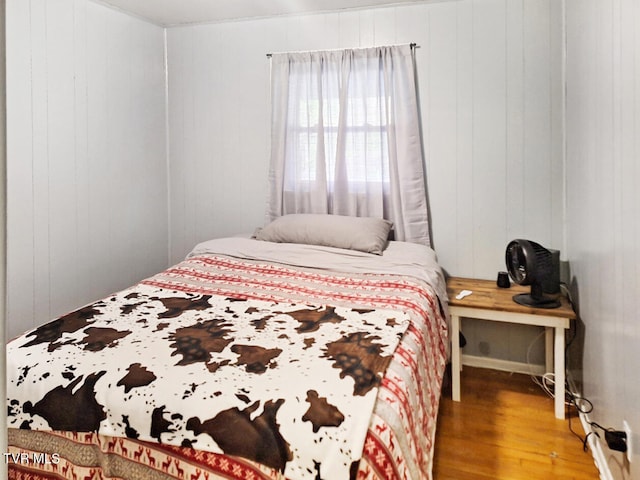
(412,45)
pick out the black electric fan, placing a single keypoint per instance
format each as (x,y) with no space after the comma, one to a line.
(529,263)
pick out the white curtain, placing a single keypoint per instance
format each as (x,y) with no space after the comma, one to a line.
(345,137)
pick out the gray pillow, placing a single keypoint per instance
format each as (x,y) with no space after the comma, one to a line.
(366,234)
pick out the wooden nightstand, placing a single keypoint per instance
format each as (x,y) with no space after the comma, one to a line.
(489,302)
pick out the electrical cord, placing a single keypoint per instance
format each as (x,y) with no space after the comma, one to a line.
(583,406)
(573,401)
(547,383)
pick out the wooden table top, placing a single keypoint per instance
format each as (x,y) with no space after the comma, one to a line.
(487,295)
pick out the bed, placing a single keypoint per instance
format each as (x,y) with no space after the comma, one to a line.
(250,359)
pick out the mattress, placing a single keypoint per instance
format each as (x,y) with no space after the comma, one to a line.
(247,360)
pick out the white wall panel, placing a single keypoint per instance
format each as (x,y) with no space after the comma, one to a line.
(440,119)
(40,173)
(19,135)
(489,135)
(603,208)
(516,131)
(61,173)
(486,70)
(86,158)
(538,122)
(461,241)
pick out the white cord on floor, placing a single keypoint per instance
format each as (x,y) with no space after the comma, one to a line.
(547,381)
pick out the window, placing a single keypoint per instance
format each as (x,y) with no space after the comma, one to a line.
(346,137)
(365,137)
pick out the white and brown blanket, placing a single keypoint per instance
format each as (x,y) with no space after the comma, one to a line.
(277,364)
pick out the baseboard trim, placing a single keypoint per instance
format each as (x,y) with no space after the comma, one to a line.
(503,365)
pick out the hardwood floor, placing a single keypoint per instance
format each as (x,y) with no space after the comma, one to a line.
(505,429)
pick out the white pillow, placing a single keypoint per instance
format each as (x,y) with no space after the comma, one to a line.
(366,234)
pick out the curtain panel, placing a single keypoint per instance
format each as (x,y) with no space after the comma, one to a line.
(345,137)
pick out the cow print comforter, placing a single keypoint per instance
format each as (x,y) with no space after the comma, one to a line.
(276,364)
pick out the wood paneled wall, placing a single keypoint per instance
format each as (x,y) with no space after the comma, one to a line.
(87,177)
(603,208)
(491,98)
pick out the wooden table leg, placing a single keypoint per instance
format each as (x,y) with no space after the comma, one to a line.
(548,349)
(455,358)
(559,376)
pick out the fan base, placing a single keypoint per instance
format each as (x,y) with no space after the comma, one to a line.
(527,300)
